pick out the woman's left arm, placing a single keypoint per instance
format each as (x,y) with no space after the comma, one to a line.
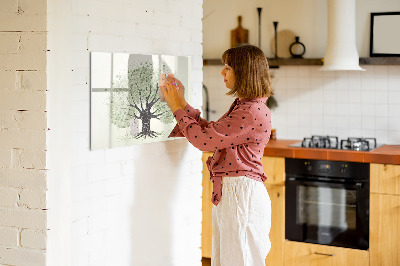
(236,129)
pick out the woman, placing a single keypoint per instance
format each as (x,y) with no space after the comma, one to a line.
(242,208)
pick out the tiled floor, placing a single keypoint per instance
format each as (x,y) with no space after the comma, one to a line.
(206,261)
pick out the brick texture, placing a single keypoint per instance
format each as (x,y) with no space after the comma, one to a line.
(33,239)
(109,187)
(9,237)
(8,197)
(33,199)
(17,256)
(23,218)
(23,125)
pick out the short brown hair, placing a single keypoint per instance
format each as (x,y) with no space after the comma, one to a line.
(250,66)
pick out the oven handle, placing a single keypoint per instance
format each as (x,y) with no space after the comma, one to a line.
(357,185)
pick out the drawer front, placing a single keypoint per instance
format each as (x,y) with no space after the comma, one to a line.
(297,254)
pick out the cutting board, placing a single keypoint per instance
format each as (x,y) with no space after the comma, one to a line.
(239,35)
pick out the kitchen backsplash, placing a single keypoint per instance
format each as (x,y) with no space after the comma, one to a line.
(314,102)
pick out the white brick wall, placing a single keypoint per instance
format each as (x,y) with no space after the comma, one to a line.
(100,203)
(9,237)
(33,239)
(138,205)
(22,132)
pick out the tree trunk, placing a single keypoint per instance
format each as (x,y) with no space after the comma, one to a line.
(146,126)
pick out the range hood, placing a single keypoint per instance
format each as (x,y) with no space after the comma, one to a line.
(341,51)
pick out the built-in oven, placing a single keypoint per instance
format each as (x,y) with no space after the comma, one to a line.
(327,202)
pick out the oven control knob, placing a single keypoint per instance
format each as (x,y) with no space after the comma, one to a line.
(343,168)
(308,166)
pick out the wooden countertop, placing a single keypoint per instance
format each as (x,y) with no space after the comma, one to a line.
(389,154)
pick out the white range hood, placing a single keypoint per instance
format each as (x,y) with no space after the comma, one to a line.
(341,51)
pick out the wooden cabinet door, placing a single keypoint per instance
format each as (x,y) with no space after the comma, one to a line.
(385,178)
(384,236)
(206,226)
(304,254)
(274,168)
(277,233)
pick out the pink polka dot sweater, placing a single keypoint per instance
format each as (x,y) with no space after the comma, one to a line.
(238,139)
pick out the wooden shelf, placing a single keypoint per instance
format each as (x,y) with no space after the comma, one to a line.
(274,63)
(294,62)
(380,61)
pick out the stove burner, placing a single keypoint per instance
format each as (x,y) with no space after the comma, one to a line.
(358,144)
(328,142)
(332,142)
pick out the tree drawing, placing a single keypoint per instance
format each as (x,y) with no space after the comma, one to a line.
(135,95)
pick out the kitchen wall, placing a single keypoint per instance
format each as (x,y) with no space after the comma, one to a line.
(306,19)
(342,103)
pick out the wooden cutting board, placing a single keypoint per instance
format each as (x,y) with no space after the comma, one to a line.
(239,35)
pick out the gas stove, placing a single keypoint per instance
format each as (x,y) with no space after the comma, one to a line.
(332,142)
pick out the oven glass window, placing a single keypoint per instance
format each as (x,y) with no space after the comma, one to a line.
(327,207)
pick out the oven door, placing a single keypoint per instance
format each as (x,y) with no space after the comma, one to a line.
(327,213)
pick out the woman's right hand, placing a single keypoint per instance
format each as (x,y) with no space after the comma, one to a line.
(181,91)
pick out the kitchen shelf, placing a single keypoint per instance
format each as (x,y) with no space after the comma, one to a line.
(380,61)
(274,63)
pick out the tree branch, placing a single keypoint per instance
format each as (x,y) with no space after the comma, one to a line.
(148,97)
(133,115)
(155,99)
(140,99)
(156,110)
(137,108)
(156,116)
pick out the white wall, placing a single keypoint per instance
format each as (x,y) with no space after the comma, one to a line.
(138,205)
(311,102)
(23,133)
(306,19)
(343,104)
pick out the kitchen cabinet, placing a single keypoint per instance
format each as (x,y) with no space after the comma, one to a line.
(277,233)
(385,178)
(305,254)
(274,168)
(206,225)
(385,230)
(384,221)
(385,215)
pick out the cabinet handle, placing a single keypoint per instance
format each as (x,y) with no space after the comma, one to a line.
(324,254)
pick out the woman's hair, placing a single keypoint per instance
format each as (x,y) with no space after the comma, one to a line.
(250,66)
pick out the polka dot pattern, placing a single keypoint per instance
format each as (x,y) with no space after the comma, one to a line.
(238,139)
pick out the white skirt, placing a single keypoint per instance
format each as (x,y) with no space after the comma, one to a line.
(241,223)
